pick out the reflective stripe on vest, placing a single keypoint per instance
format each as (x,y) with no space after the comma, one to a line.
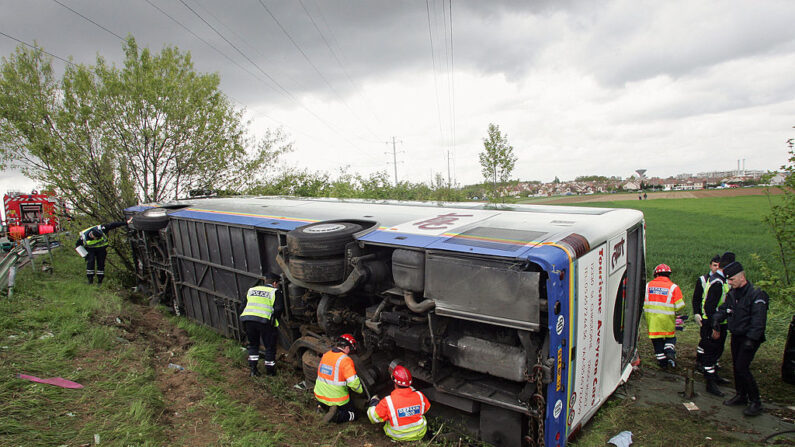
(330,387)
(259,304)
(660,309)
(410,431)
(95,243)
(723,291)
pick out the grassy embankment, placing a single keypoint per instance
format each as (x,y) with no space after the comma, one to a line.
(685,234)
(121,351)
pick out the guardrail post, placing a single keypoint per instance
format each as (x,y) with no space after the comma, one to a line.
(12,274)
(26,244)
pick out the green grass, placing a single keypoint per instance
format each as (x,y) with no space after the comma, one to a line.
(49,329)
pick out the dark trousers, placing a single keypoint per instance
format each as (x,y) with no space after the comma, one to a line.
(742,356)
(344,412)
(712,349)
(664,349)
(95,263)
(257,332)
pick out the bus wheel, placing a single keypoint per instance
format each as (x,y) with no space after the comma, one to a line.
(309,363)
(321,239)
(317,270)
(152,219)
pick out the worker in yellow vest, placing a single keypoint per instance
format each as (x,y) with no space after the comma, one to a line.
(663,300)
(336,374)
(95,243)
(263,305)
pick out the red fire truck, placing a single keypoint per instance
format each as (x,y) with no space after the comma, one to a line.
(29,214)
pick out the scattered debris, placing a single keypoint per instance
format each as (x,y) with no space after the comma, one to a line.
(46,336)
(57,381)
(70,414)
(623,439)
(96,439)
(175,366)
(300,385)
(122,340)
(690,406)
(118,320)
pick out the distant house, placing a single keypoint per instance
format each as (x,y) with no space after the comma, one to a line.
(632,185)
(778,179)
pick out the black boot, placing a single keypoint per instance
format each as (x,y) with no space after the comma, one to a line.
(720,380)
(712,387)
(753,409)
(253,371)
(270,370)
(90,279)
(738,399)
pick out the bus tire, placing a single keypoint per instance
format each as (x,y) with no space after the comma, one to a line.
(317,270)
(321,239)
(309,363)
(153,219)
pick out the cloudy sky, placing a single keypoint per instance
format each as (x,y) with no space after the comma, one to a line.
(579,87)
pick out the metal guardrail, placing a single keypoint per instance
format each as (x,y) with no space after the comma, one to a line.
(22,253)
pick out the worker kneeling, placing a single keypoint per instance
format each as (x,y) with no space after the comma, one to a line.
(335,374)
(403,410)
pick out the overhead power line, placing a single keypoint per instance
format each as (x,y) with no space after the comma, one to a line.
(280,87)
(95,23)
(314,67)
(37,47)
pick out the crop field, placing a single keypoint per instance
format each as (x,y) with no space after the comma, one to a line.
(121,350)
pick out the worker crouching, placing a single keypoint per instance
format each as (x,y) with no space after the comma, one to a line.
(403,410)
(336,374)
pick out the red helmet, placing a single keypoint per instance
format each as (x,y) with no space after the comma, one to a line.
(348,340)
(401,376)
(662,268)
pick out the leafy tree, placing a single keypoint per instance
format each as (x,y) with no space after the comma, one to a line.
(106,138)
(497,159)
(782,217)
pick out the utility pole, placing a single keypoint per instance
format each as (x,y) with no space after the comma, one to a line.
(448,169)
(394,157)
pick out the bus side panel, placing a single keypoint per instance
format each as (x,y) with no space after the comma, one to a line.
(591,330)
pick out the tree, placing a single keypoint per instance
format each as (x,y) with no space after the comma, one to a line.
(497,159)
(106,138)
(782,217)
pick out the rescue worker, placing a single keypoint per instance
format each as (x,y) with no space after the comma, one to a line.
(711,349)
(702,284)
(95,241)
(336,373)
(745,309)
(403,410)
(263,305)
(663,300)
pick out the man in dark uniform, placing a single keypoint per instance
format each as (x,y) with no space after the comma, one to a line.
(261,308)
(746,310)
(95,241)
(702,284)
(711,349)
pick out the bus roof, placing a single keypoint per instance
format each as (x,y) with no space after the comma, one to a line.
(501,230)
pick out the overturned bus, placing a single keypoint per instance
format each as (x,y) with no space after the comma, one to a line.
(519,322)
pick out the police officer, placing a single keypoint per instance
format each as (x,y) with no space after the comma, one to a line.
(663,300)
(745,309)
(702,284)
(712,349)
(403,410)
(336,374)
(95,241)
(263,305)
